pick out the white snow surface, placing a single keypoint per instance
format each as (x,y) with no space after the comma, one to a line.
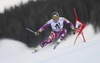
(6,4)
(12,51)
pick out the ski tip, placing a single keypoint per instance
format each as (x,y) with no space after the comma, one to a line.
(54,48)
(33,52)
(56,45)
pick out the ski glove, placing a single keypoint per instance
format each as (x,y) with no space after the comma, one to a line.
(73,31)
(37,33)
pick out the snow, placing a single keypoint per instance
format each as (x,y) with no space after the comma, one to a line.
(10,3)
(12,51)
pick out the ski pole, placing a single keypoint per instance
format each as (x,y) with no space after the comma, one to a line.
(30,30)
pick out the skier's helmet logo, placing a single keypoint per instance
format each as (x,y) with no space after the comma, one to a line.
(55,16)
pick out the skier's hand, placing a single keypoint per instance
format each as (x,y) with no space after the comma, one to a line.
(73,31)
(37,33)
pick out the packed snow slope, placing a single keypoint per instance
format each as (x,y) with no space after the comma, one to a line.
(6,4)
(12,51)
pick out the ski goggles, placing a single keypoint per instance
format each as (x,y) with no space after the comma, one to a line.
(55,17)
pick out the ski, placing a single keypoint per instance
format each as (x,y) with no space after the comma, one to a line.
(55,46)
(35,51)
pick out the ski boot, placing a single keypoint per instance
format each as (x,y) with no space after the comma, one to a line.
(37,48)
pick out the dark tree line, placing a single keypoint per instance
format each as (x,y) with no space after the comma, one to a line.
(33,15)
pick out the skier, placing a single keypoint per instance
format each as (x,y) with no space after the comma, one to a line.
(57,32)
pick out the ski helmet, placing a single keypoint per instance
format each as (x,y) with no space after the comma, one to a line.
(55,15)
